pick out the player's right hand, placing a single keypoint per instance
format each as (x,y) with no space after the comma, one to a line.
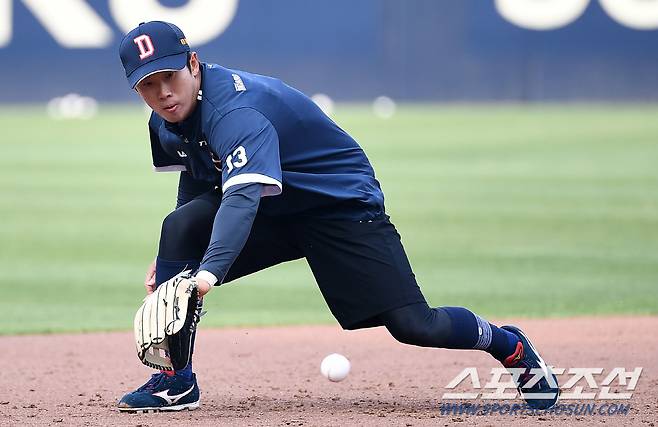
(149,281)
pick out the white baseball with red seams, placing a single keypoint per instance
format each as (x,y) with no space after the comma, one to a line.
(335,367)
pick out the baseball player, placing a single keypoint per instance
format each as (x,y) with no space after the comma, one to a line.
(266,177)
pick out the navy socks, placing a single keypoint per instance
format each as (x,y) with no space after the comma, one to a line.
(471,331)
(503,343)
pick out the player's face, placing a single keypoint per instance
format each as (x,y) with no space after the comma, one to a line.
(172,94)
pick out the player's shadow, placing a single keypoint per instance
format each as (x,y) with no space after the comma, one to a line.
(302,406)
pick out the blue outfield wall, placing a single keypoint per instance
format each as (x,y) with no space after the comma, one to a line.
(428,50)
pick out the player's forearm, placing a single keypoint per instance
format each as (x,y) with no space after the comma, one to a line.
(231,229)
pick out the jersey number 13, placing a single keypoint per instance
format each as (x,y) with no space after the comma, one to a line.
(237,159)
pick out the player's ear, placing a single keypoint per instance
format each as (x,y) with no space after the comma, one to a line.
(193,64)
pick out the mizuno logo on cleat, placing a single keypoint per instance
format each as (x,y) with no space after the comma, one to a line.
(171,400)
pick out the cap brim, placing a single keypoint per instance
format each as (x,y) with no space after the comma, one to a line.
(168,63)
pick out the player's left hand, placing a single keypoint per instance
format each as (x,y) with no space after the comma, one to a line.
(203,287)
(149,280)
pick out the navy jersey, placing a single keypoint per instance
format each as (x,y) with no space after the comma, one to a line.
(248,128)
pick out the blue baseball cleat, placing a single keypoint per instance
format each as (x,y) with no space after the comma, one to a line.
(162,393)
(544,393)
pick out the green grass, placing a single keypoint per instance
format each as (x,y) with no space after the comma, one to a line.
(508,210)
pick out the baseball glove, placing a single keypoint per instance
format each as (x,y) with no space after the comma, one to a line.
(166,322)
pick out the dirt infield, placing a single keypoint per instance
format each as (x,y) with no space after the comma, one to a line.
(270,376)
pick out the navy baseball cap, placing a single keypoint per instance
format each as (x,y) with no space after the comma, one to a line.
(153,47)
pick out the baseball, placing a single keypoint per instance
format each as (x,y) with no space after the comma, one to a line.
(335,367)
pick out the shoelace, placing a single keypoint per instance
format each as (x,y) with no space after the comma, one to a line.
(156,380)
(524,378)
(527,376)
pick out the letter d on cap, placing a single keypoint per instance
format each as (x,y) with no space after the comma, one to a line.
(145,46)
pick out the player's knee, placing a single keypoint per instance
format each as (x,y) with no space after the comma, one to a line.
(403,333)
(175,227)
(419,325)
(414,334)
